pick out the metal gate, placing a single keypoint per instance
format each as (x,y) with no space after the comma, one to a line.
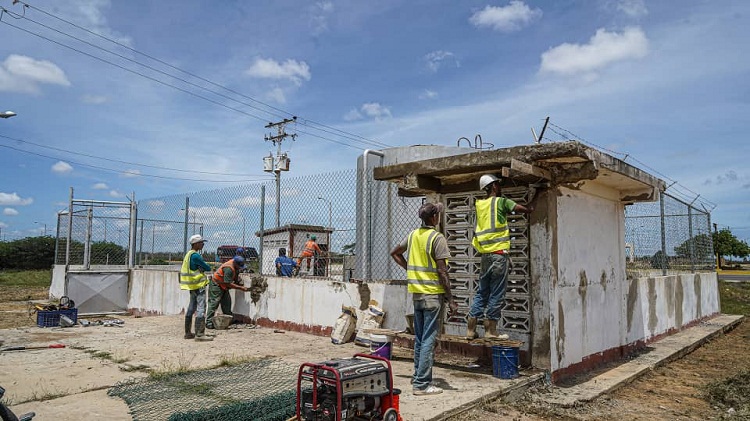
(459,220)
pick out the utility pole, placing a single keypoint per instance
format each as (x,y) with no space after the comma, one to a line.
(282,160)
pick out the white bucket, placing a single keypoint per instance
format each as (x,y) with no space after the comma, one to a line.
(381,345)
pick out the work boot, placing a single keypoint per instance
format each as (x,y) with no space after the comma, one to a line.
(200,330)
(471,328)
(188,323)
(490,330)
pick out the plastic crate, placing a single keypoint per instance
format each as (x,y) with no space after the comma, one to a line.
(52,318)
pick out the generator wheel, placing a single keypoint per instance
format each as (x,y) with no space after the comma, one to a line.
(390,415)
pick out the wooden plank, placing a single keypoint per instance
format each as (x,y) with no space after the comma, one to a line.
(526,168)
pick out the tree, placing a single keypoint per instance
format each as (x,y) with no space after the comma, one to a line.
(701,248)
(28,253)
(348,248)
(726,244)
(659,259)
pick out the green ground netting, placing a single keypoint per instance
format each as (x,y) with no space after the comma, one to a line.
(263,390)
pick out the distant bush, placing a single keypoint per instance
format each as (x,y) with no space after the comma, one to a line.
(28,253)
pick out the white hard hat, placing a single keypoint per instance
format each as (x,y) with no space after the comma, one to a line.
(197,239)
(486,180)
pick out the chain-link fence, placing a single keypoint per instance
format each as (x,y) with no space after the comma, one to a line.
(99,233)
(669,235)
(665,235)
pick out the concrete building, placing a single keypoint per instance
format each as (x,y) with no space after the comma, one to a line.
(569,297)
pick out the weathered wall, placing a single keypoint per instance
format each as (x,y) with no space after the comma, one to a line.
(596,314)
(588,315)
(310,304)
(659,305)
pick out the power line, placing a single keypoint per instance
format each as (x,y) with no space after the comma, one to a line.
(307,122)
(127,162)
(126,172)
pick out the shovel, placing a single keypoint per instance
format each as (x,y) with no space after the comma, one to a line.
(23,348)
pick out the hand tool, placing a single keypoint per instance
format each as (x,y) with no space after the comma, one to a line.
(23,348)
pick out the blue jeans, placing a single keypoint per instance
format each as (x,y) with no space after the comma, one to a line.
(491,292)
(197,303)
(427,321)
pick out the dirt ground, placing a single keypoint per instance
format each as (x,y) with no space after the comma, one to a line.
(672,392)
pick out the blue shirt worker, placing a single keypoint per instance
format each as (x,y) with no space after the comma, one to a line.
(284,265)
(492,240)
(194,280)
(427,276)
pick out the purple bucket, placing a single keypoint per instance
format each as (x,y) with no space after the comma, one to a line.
(380,345)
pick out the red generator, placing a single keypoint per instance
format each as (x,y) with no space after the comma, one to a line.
(347,389)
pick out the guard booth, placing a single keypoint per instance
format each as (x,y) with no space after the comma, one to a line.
(568,295)
(292,238)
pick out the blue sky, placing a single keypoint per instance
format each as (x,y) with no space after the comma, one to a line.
(664,82)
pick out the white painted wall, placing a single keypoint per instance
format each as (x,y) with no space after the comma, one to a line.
(590,248)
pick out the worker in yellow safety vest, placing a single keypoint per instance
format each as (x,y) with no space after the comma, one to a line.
(492,240)
(193,279)
(427,275)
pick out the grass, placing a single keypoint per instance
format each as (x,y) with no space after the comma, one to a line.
(24,285)
(26,278)
(735,297)
(732,392)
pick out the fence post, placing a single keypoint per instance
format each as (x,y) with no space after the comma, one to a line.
(87,243)
(140,246)
(132,228)
(663,235)
(70,231)
(262,222)
(185,237)
(691,243)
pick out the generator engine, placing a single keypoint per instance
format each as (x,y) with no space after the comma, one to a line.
(347,389)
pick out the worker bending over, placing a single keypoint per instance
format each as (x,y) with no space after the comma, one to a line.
(224,279)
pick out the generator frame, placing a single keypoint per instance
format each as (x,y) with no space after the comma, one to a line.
(389,414)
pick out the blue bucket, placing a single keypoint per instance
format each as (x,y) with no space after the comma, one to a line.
(505,362)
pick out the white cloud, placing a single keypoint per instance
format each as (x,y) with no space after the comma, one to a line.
(375,110)
(62,167)
(246,202)
(156,203)
(512,17)
(295,71)
(435,59)
(319,13)
(100,186)
(3,225)
(10,212)
(130,173)
(603,49)
(428,94)
(115,193)
(13,199)
(94,99)
(632,8)
(371,110)
(352,115)
(214,216)
(24,74)
(277,95)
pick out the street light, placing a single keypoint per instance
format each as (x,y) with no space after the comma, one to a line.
(45,228)
(329,210)
(7,114)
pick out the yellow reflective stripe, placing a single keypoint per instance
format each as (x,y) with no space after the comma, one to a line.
(489,241)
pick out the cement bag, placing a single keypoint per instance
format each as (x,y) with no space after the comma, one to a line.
(371,318)
(345,325)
